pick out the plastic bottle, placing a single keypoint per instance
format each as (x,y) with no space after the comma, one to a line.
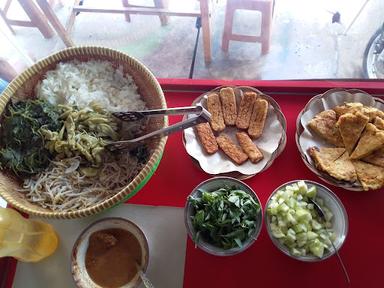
(24,239)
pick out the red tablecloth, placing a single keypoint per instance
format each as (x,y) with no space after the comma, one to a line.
(263,264)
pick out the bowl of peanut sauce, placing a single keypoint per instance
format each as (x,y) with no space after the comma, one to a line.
(109,254)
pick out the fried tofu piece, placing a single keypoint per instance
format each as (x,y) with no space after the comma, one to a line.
(206,137)
(249,147)
(379,123)
(233,151)
(214,107)
(228,105)
(245,110)
(324,156)
(370,176)
(372,139)
(376,158)
(257,121)
(324,125)
(351,107)
(351,126)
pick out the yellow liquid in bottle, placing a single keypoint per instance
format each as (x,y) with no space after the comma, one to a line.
(26,240)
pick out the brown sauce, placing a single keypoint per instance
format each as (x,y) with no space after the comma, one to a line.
(111,257)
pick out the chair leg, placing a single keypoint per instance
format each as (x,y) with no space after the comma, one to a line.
(37,18)
(266,27)
(2,15)
(7,72)
(162,4)
(46,8)
(127,16)
(228,22)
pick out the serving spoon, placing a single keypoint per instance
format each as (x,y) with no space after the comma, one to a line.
(321,214)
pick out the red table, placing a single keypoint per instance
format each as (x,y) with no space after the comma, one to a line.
(263,264)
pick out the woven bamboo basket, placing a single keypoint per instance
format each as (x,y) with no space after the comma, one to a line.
(23,86)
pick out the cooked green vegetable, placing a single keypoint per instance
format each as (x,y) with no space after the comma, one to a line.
(296,224)
(84,132)
(22,146)
(225,218)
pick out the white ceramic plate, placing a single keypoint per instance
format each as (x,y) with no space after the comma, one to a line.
(271,143)
(306,139)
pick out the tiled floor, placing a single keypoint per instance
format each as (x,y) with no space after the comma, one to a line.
(304,45)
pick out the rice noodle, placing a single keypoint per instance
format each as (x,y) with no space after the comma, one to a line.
(62,188)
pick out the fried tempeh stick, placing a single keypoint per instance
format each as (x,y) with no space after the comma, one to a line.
(245,110)
(228,104)
(206,137)
(249,147)
(231,149)
(214,107)
(257,122)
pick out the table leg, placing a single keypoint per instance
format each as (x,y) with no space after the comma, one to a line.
(37,18)
(71,19)
(161,4)
(43,4)
(205,25)
(127,16)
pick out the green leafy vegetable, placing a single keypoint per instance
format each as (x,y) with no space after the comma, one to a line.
(225,218)
(22,146)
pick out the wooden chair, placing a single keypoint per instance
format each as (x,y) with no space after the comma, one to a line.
(37,18)
(266,9)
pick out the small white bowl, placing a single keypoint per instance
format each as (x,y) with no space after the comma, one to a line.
(79,271)
(339,221)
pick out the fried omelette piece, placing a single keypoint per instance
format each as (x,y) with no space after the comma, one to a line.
(206,137)
(370,176)
(228,104)
(257,121)
(379,123)
(351,126)
(372,139)
(350,107)
(376,158)
(324,156)
(324,125)
(372,113)
(245,110)
(249,147)
(354,107)
(214,107)
(233,151)
(342,169)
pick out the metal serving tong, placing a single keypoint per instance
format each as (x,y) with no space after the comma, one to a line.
(202,115)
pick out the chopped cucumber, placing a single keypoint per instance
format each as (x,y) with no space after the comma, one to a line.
(295,222)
